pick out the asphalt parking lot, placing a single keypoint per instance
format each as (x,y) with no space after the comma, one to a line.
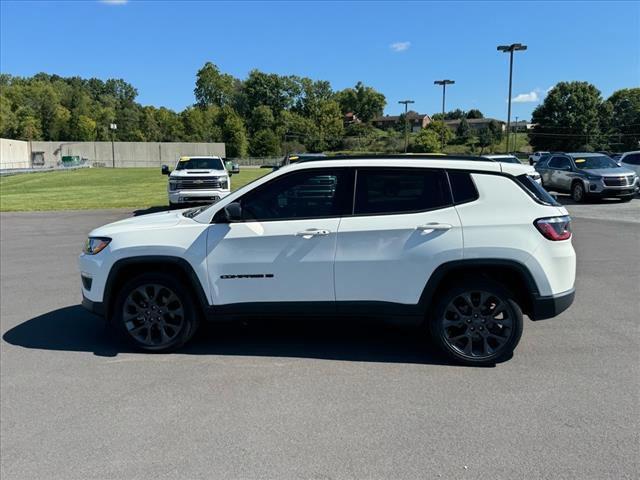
(315,401)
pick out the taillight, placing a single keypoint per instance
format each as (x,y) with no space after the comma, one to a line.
(554,228)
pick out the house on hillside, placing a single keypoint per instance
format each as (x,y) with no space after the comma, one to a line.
(417,121)
(475,124)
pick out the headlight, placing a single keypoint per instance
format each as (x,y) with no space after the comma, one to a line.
(593,177)
(95,245)
(224,182)
(173,185)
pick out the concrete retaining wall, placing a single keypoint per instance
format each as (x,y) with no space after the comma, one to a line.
(18,154)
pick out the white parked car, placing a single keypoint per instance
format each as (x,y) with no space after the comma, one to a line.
(516,161)
(631,160)
(462,247)
(197,180)
(535,156)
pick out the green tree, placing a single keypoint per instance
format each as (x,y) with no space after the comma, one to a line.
(485,139)
(365,102)
(427,141)
(568,119)
(623,110)
(86,129)
(463,131)
(264,143)
(213,87)
(261,118)
(441,129)
(8,119)
(474,113)
(233,132)
(275,91)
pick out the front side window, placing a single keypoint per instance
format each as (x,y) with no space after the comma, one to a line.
(383,191)
(306,194)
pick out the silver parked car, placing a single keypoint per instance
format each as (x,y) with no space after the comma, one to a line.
(587,175)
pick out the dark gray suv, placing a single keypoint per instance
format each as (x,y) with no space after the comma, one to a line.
(587,175)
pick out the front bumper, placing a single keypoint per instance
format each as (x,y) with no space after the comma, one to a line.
(552,305)
(196,196)
(598,188)
(93,307)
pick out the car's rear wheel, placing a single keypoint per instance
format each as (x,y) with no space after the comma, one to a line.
(155,313)
(478,323)
(577,192)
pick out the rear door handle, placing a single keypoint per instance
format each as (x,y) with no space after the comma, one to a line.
(313,232)
(434,226)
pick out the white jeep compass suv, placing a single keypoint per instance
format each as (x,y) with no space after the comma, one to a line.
(197,180)
(461,246)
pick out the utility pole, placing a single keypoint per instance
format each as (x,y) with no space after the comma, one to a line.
(515,137)
(444,84)
(406,123)
(514,47)
(113,127)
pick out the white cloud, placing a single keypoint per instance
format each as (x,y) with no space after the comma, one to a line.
(114,2)
(530,97)
(535,95)
(400,46)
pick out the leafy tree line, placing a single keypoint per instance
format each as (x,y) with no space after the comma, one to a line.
(260,115)
(574,116)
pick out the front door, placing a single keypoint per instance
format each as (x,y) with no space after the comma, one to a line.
(283,249)
(404,226)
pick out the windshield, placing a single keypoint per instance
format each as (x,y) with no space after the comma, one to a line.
(590,163)
(200,164)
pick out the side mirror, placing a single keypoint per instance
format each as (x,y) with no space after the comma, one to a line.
(229,214)
(165,170)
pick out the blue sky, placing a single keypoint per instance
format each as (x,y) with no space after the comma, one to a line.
(398,48)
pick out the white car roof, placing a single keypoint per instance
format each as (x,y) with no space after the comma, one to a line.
(381,161)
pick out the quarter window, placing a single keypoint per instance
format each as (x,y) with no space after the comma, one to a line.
(306,194)
(383,191)
(462,187)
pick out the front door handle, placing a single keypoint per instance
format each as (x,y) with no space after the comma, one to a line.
(313,232)
(434,226)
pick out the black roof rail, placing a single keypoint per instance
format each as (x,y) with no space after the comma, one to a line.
(396,156)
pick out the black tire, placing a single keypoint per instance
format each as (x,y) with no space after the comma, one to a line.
(173,206)
(491,324)
(578,193)
(168,320)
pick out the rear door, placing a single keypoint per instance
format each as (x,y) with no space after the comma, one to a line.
(403,226)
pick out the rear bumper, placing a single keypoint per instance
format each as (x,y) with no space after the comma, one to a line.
(551,306)
(93,307)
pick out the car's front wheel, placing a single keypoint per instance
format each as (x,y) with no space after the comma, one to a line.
(478,323)
(154,312)
(577,192)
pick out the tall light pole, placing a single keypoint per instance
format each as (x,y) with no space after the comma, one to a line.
(515,137)
(444,84)
(406,123)
(113,127)
(514,47)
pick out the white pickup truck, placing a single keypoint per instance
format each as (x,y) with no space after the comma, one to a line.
(197,180)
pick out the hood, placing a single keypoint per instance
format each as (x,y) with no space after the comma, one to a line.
(142,222)
(198,172)
(609,172)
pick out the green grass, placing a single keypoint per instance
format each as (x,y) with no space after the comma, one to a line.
(94,188)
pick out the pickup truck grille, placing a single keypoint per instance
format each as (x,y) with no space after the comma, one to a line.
(198,183)
(618,181)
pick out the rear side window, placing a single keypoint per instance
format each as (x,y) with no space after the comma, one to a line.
(385,191)
(462,187)
(536,190)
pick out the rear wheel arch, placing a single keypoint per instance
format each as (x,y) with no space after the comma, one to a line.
(510,274)
(127,268)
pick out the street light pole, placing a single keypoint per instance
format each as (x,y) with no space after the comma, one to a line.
(113,127)
(514,47)
(515,137)
(406,123)
(444,84)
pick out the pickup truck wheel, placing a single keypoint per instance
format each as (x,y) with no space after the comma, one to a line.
(155,313)
(577,192)
(477,324)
